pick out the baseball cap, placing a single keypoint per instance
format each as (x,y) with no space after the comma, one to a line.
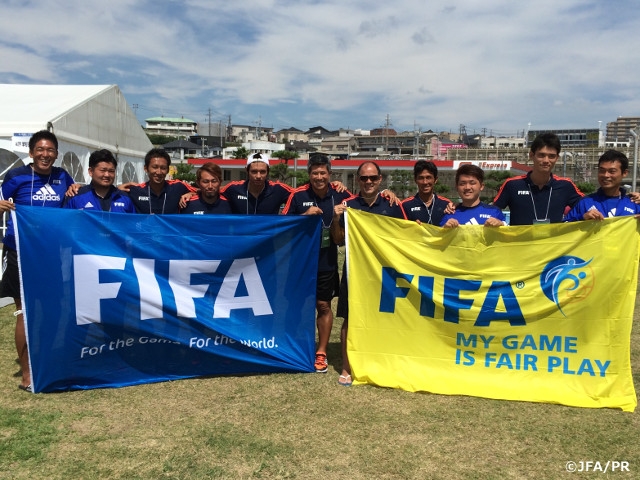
(258,157)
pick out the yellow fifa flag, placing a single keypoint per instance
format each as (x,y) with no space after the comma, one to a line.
(534,313)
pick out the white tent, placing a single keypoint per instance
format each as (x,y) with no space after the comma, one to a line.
(84,118)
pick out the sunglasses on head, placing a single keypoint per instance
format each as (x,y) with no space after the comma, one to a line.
(373,178)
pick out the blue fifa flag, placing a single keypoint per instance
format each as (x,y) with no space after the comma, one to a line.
(115,299)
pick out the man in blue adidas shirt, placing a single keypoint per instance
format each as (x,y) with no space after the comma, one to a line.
(469,183)
(38,184)
(101,194)
(611,199)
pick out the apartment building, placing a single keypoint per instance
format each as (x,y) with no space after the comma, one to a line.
(574,137)
(174,127)
(618,131)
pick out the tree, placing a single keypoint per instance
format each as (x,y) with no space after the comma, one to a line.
(282,173)
(158,140)
(241,152)
(400,182)
(586,187)
(184,173)
(285,155)
(302,177)
(493,180)
(441,189)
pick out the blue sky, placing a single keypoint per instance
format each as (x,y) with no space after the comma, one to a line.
(495,65)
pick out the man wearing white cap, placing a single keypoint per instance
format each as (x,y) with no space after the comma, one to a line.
(257,194)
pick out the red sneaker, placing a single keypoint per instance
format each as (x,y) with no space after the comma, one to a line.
(321,363)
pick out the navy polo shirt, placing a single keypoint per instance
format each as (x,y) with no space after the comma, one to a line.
(527,202)
(415,209)
(272,197)
(301,200)
(146,201)
(197,206)
(380,207)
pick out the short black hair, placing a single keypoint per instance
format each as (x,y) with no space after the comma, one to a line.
(103,155)
(547,139)
(317,159)
(615,156)
(156,153)
(422,165)
(42,135)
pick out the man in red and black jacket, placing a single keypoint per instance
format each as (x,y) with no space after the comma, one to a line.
(539,196)
(158,195)
(319,197)
(257,194)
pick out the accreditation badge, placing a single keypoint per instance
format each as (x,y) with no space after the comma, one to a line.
(325,241)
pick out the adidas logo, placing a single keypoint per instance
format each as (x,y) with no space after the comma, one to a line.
(46,193)
(88,205)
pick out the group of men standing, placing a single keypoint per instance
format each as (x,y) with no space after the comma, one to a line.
(40,183)
(537,197)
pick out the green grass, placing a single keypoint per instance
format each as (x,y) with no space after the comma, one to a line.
(25,436)
(302,426)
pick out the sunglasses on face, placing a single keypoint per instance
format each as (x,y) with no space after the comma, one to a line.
(373,178)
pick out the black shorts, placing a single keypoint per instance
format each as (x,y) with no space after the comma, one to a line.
(10,284)
(327,286)
(343,299)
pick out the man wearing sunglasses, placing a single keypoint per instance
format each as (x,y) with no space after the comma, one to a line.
(369,200)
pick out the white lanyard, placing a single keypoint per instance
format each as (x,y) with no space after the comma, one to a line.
(32,180)
(255,209)
(321,216)
(535,213)
(430,212)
